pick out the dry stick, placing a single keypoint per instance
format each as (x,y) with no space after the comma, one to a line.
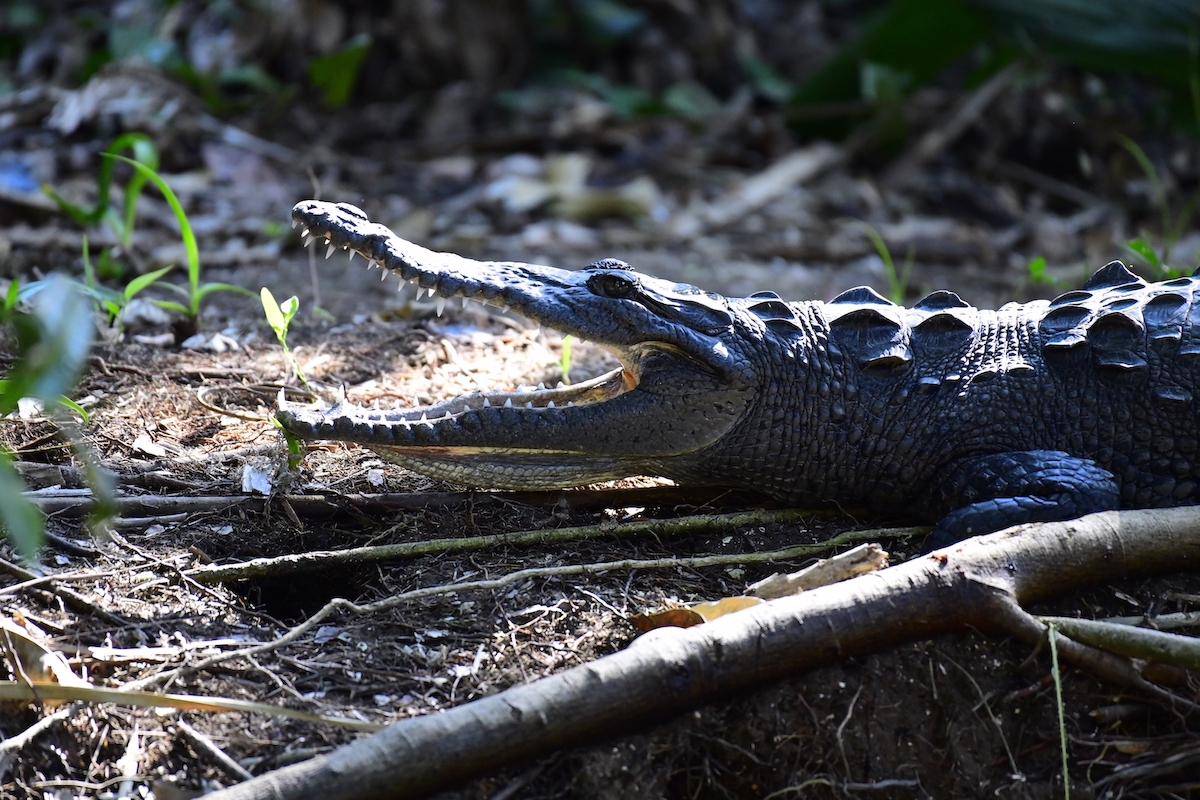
(72,599)
(491,584)
(207,747)
(939,138)
(325,559)
(79,502)
(974,584)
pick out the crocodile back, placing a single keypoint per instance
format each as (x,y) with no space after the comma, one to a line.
(880,398)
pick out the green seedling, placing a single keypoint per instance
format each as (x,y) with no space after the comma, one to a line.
(565,361)
(1037,272)
(1172,224)
(279,317)
(897,281)
(195,292)
(110,300)
(295,447)
(144,153)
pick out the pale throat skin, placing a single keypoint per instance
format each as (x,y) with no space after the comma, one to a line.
(971,418)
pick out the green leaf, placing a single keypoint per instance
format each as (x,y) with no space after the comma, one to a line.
(274,314)
(142,281)
(1141,248)
(53,341)
(917,37)
(289,308)
(185,227)
(566,359)
(209,288)
(1037,270)
(143,148)
(171,305)
(19,517)
(78,409)
(10,297)
(336,73)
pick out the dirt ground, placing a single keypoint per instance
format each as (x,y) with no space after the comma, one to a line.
(1039,171)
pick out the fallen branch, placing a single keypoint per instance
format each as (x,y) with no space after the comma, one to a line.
(325,559)
(76,503)
(979,583)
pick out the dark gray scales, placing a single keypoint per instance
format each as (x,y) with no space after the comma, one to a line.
(973,419)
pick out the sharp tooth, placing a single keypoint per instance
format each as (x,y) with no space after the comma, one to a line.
(570,403)
(351,255)
(541,386)
(465,410)
(383,277)
(550,404)
(560,385)
(342,394)
(441,305)
(295,222)
(529,404)
(465,301)
(486,403)
(508,402)
(304,231)
(424,418)
(504,308)
(307,239)
(329,251)
(400,289)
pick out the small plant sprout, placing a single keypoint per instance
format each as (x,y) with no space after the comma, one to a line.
(1038,274)
(110,300)
(897,281)
(279,317)
(565,361)
(1172,224)
(145,154)
(195,292)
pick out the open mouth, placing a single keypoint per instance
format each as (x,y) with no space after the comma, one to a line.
(660,403)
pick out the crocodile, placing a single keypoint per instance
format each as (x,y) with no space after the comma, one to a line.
(970,419)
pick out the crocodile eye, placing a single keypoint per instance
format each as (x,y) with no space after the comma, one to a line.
(610,285)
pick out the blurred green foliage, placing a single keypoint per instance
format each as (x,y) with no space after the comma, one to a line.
(53,335)
(336,74)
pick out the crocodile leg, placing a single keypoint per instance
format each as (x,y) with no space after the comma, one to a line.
(1006,489)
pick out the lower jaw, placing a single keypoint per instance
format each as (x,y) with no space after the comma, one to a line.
(521,471)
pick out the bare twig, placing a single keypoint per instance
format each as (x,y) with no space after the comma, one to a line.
(939,138)
(319,560)
(79,502)
(207,747)
(72,599)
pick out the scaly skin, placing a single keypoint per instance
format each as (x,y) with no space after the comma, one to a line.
(971,418)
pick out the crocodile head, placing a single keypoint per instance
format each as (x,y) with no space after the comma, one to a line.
(680,389)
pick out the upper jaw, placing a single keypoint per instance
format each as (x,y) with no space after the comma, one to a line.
(611,414)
